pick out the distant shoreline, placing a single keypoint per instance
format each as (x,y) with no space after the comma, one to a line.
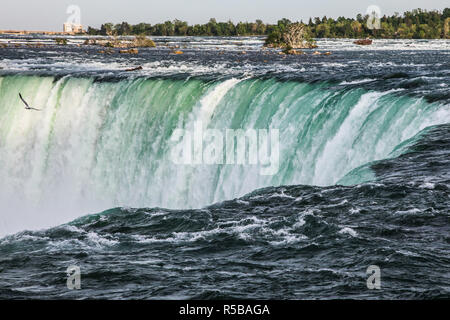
(60,33)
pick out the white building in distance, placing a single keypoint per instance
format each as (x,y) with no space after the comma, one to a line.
(69,27)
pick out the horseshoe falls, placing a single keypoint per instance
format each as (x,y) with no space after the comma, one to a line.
(97,145)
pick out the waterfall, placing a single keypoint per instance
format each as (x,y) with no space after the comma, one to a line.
(97,145)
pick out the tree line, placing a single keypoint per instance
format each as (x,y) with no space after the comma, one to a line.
(418,23)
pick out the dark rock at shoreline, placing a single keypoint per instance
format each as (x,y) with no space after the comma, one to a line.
(130,51)
(363,42)
(138,42)
(134,69)
(293,52)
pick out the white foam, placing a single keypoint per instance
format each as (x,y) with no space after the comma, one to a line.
(348,230)
(427,185)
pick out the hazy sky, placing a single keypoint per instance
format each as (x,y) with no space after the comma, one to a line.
(51,14)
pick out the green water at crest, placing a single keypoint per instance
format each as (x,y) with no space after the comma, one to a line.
(97,145)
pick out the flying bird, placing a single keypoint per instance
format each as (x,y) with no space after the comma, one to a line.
(27,107)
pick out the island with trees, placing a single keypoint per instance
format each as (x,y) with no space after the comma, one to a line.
(415,24)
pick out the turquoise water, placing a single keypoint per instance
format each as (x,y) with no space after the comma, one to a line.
(100,144)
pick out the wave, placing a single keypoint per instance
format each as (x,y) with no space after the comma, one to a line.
(103,144)
(273,236)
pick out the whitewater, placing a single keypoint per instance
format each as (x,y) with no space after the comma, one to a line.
(363,158)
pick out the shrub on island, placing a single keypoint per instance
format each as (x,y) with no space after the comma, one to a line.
(143,42)
(61,41)
(289,37)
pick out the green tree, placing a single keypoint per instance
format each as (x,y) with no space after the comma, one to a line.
(107,29)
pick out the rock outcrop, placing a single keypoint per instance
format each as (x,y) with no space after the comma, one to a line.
(137,42)
(130,51)
(363,42)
